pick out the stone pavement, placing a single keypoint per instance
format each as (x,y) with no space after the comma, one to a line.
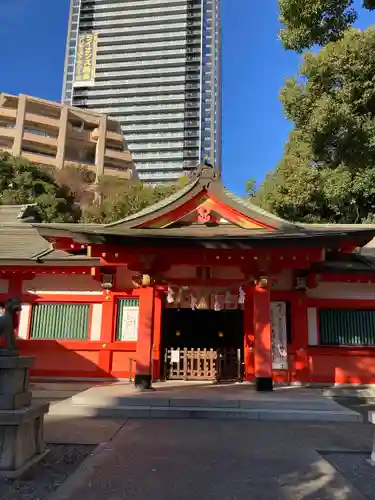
(204,401)
(69,429)
(218,460)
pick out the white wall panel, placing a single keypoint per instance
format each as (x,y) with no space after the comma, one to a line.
(23,327)
(96,321)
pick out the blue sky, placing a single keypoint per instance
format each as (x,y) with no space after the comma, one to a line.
(254,67)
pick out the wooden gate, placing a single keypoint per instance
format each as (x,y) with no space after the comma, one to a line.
(203,364)
(230,364)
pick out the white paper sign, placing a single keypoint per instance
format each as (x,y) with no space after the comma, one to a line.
(129,327)
(175,356)
(279,336)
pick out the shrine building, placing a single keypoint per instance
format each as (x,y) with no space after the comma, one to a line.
(202,285)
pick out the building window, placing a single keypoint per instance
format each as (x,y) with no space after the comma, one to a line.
(127,320)
(347,327)
(60,321)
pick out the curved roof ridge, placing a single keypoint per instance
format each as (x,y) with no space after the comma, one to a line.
(158,205)
(247,204)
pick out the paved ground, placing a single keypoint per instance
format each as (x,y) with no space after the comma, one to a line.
(357,469)
(221,460)
(195,460)
(358,405)
(73,430)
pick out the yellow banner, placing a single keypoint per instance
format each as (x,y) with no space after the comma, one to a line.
(86,60)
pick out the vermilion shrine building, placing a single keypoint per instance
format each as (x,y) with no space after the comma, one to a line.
(200,285)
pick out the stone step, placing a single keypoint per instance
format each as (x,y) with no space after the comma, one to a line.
(96,399)
(354,392)
(204,412)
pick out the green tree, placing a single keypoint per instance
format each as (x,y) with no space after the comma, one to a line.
(117,203)
(251,187)
(79,181)
(327,172)
(23,182)
(316,22)
(70,195)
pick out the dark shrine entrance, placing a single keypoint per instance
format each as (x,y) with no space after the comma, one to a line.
(203,344)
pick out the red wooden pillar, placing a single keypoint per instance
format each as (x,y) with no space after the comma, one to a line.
(262,339)
(143,371)
(156,346)
(107,333)
(249,335)
(301,371)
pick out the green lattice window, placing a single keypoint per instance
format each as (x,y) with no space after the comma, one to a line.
(127,320)
(347,327)
(60,321)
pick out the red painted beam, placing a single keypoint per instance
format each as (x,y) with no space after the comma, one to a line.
(9,271)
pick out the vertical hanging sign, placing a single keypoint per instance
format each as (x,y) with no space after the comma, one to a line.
(129,324)
(85,66)
(279,336)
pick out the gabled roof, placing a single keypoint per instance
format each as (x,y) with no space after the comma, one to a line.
(204,183)
(178,220)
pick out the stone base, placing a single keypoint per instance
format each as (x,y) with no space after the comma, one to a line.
(14,382)
(14,362)
(143,382)
(15,474)
(21,424)
(15,401)
(21,438)
(8,353)
(264,384)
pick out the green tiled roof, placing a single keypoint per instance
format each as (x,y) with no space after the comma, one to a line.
(250,206)
(17,213)
(19,240)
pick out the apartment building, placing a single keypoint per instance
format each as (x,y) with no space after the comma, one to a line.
(52,134)
(155,66)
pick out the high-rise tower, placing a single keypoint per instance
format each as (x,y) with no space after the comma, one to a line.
(155,66)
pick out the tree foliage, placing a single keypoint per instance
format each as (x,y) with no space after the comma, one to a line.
(79,181)
(70,194)
(316,22)
(129,199)
(251,187)
(22,182)
(327,172)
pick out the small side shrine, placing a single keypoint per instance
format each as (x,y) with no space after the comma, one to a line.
(205,284)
